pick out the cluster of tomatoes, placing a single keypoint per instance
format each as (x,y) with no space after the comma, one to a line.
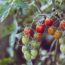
(40,28)
(32,37)
(57,33)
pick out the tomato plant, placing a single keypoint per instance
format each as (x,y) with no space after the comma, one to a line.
(37,36)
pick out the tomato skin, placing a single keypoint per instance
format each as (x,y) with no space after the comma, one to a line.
(51,30)
(35,44)
(49,22)
(40,28)
(34,53)
(57,34)
(38,36)
(28,31)
(62,25)
(25,39)
(62,40)
(62,48)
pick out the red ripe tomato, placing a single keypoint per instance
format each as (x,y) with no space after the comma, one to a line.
(40,28)
(49,22)
(62,25)
(28,31)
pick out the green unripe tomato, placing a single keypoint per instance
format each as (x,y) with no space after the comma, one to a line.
(35,44)
(62,48)
(34,53)
(24,48)
(27,55)
(25,39)
(62,40)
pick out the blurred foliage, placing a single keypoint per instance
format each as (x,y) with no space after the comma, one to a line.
(23,4)
(9,6)
(28,10)
(6,61)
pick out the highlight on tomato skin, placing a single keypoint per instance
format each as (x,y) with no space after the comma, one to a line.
(49,22)
(40,28)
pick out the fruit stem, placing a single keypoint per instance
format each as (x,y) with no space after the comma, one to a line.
(52,45)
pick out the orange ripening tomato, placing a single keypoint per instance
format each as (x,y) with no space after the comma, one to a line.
(57,34)
(38,36)
(51,30)
(62,25)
